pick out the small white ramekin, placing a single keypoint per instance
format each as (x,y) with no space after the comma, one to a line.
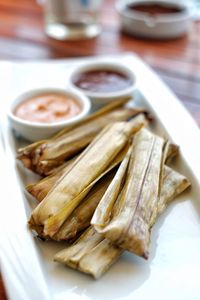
(102,98)
(163,26)
(34,131)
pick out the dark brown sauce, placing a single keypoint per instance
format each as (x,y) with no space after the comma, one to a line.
(152,8)
(102,81)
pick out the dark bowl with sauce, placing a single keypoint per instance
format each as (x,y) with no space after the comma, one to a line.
(157,19)
(40,113)
(103,82)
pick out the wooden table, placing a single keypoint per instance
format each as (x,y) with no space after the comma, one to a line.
(177,62)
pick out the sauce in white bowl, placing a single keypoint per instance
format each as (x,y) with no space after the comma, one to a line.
(38,114)
(103,82)
(158,19)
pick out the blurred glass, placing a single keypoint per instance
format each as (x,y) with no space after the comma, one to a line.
(71,19)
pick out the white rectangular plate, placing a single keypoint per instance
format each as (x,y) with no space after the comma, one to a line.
(173,269)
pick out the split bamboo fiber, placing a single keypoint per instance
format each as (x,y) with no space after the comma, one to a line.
(90,254)
(130,204)
(89,167)
(40,189)
(81,216)
(94,255)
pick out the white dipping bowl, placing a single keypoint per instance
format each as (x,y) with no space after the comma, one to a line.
(162,26)
(101,98)
(34,131)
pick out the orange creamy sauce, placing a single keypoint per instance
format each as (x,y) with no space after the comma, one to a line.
(48,108)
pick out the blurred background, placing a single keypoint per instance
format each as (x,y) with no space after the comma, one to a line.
(22,33)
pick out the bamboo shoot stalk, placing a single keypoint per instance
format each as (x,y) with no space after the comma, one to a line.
(94,255)
(125,218)
(81,216)
(90,254)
